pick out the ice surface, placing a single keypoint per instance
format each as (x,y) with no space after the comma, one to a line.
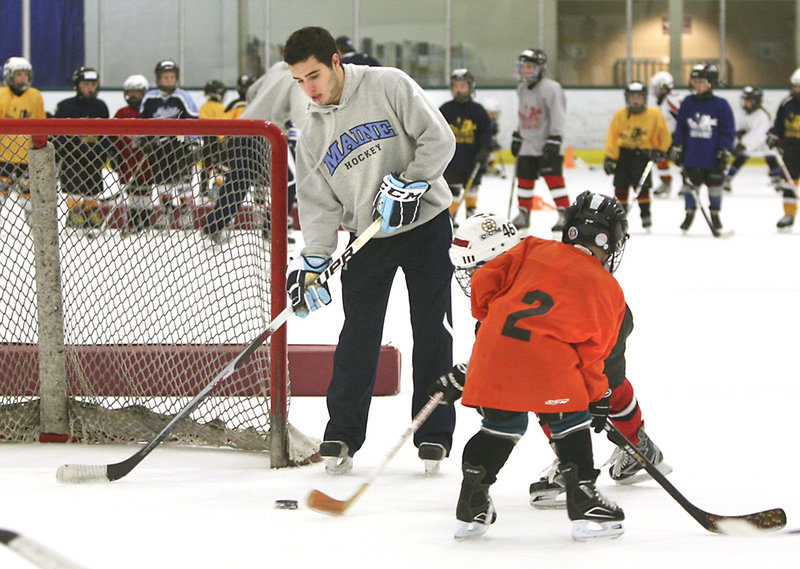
(713,360)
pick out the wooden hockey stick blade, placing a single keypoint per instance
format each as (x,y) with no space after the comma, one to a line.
(323,503)
(35,552)
(81,473)
(772,519)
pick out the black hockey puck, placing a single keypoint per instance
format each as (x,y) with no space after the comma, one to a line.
(286,504)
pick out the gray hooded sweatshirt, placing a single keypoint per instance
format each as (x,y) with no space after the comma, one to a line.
(383,123)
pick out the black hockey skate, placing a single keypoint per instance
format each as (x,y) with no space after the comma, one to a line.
(549,492)
(687,221)
(559,226)
(626,470)
(785,223)
(432,455)
(336,457)
(523,219)
(716,223)
(593,515)
(475,510)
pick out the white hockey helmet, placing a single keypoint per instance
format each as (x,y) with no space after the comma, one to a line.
(794,79)
(478,240)
(491,105)
(136,83)
(661,82)
(11,66)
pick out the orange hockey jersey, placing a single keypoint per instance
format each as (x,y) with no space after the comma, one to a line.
(550,315)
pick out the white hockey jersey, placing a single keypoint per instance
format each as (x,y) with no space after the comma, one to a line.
(669,105)
(542,113)
(754,127)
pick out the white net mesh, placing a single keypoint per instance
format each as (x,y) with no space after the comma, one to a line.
(162,272)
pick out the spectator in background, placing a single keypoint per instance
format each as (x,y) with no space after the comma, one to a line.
(347,51)
(18,100)
(81,159)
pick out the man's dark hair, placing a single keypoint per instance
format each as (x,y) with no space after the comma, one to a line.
(309,41)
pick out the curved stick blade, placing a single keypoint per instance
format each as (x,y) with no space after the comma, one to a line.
(82,473)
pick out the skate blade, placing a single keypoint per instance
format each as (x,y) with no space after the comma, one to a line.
(470,530)
(431,467)
(585,530)
(643,476)
(549,500)
(338,466)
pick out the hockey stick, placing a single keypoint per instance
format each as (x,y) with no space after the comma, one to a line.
(714,231)
(511,193)
(76,473)
(467,186)
(785,170)
(35,552)
(639,186)
(321,502)
(773,519)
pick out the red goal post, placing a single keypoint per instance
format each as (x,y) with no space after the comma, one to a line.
(142,307)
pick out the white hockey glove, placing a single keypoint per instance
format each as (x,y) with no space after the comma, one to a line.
(305,294)
(398,201)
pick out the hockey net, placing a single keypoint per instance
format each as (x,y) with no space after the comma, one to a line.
(139,257)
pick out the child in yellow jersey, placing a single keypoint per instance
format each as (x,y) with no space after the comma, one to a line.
(18,100)
(637,135)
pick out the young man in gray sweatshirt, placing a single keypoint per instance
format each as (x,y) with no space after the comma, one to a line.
(371,136)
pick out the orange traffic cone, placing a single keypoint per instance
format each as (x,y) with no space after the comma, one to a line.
(569,158)
(539,203)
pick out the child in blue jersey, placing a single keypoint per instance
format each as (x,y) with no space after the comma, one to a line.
(702,142)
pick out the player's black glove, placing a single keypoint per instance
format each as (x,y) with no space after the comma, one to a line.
(551,155)
(450,385)
(676,154)
(609,166)
(305,294)
(599,410)
(723,157)
(516,143)
(773,140)
(740,150)
(483,155)
(657,155)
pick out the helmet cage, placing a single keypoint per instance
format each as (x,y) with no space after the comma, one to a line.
(538,58)
(11,66)
(463,74)
(636,88)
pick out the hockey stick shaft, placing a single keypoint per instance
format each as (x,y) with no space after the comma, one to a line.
(765,520)
(714,231)
(321,502)
(109,472)
(35,552)
(511,192)
(785,170)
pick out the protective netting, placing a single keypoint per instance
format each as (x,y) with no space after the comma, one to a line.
(160,249)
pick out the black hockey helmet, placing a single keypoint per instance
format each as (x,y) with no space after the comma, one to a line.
(243,83)
(345,44)
(215,89)
(636,88)
(708,71)
(84,73)
(597,221)
(754,95)
(537,56)
(167,65)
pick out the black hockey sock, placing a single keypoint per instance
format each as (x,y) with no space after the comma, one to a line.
(488,451)
(576,448)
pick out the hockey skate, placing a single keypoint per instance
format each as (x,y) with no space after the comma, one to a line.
(559,226)
(716,223)
(432,455)
(647,223)
(785,223)
(335,456)
(549,492)
(475,511)
(626,470)
(523,219)
(687,221)
(593,516)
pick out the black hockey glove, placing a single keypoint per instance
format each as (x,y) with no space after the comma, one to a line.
(740,151)
(397,201)
(450,385)
(723,157)
(516,143)
(657,155)
(609,166)
(305,294)
(483,155)
(551,155)
(774,141)
(599,410)
(676,154)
